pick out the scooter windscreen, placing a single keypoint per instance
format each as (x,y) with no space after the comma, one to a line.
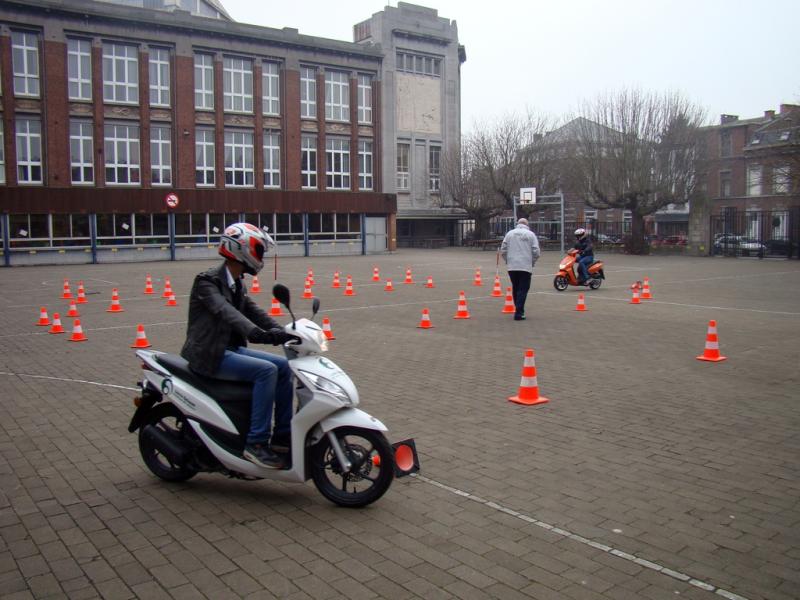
(312,335)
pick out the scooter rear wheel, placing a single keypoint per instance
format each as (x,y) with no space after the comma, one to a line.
(371,473)
(169,420)
(560,283)
(595,283)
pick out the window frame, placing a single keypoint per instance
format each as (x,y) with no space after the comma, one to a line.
(308,93)
(781,179)
(270,88)
(132,168)
(31,138)
(309,162)
(755,184)
(366,165)
(159,61)
(337,96)
(205,91)
(79,78)
(130,86)
(2,153)
(160,149)
(29,80)
(337,163)
(271,147)
(235,72)
(85,158)
(364,99)
(239,158)
(403,168)
(207,149)
(435,170)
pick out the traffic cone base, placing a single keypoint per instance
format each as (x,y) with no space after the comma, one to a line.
(73,309)
(56,328)
(425,321)
(528,393)
(77,332)
(141,338)
(115,305)
(711,351)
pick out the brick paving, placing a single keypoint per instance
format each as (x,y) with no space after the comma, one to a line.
(648,475)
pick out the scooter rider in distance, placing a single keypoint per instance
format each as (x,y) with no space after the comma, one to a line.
(222,319)
(583,245)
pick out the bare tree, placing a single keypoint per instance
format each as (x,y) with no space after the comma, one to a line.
(638,151)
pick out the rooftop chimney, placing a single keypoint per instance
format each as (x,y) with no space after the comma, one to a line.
(769,114)
(723,119)
(786,108)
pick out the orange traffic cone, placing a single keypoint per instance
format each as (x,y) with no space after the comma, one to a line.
(477,280)
(310,277)
(462,312)
(77,332)
(44,320)
(81,293)
(336,283)
(255,288)
(376,274)
(528,387)
(408,279)
(429,284)
(66,294)
(646,295)
(167,288)
(73,309)
(635,298)
(141,338)
(389,287)
(307,290)
(172,301)
(56,328)
(348,288)
(581,304)
(508,307)
(497,291)
(711,351)
(326,328)
(148,285)
(425,321)
(275,309)
(115,305)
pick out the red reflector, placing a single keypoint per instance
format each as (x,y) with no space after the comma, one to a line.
(406,460)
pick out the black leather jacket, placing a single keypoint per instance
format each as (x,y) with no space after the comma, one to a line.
(584,246)
(214,320)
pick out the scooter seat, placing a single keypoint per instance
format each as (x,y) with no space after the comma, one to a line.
(224,392)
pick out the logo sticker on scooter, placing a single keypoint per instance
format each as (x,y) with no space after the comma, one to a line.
(166,387)
(325,363)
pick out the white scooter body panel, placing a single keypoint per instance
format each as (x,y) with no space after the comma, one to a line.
(351,417)
(324,367)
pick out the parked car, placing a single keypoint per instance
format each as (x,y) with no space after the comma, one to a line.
(751,247)
(602,238)
(738,244)
(674,240)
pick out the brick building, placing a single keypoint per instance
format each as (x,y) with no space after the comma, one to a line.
(109,108)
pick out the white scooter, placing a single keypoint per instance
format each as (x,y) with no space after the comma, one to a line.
(188,424)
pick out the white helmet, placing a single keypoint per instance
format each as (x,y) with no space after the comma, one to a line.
(580,232)
(246,244)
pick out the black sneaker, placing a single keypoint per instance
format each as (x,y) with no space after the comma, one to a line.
(263,456)
(519,317)
(281,442)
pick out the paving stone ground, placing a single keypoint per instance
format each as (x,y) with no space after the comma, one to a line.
(649,474)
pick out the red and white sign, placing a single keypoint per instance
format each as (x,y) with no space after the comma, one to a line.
(172,200)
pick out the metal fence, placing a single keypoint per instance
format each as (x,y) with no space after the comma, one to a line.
(762,233)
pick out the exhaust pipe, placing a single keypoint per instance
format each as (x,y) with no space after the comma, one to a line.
(175,452)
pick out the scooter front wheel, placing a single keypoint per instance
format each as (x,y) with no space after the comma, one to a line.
(370,474)
(560,283)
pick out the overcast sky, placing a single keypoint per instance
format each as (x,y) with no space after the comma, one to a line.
(730,56)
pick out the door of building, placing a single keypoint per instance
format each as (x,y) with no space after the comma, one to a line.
(375,232)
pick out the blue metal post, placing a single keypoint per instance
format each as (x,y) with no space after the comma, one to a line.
(171,225)
(93,236)
(6,242)
(306,243)
(363,217)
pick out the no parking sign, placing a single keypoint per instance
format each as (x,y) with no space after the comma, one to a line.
(172,200)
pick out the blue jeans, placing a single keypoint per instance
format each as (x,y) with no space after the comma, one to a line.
(272,381)
(583,266)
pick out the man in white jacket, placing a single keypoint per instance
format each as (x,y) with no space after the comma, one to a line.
(520,250)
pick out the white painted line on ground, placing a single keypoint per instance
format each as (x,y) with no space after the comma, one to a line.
(582,540)
(111,385)
(66,328)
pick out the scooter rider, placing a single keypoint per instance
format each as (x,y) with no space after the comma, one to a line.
(583,245)
(222,319)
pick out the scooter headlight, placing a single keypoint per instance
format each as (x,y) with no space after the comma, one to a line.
(328,386)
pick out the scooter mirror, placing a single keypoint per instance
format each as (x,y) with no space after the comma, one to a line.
(314,307)
(281,294)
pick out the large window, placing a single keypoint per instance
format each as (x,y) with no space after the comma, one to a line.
(725,184)
(781,179)
(308,161)
(79,69)
(725,148)
(29,150)
(202,228)
(204,81)
(337,158)
(159,77)
(81,152)
(120,73)
(70,230)
(160,155)
(114,229)
(29,230)
(364,99)
(403,174)
(270,89)
(25,62)
(237,84)
(333,226)
(754,180)
(337,96)
(365,165)
(272,159)
(122,154)
(239,159)
(151,228)
(434,168)
(308,92)
(418,64)
(204,157)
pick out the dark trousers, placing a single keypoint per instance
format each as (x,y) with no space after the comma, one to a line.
(520,284)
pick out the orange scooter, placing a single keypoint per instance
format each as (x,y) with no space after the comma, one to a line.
(567,273)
